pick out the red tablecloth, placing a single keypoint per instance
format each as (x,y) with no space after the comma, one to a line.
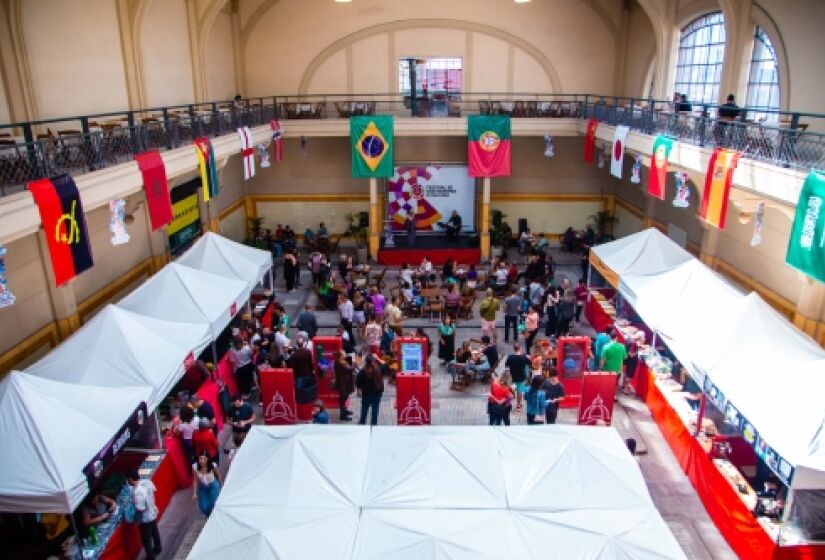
(178,460)
(730,515)
(225,373)
(209,392)
(596,316)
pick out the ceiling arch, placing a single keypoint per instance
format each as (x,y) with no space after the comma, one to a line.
(454,24)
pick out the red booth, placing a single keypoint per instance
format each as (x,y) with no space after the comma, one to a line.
(412,397)
(573,353)
(596,402)
(278,396)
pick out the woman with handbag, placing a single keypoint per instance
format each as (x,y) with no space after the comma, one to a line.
(536,401)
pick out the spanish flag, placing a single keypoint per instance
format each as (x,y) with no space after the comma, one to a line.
(717,186)
(590,140)
(208,167)
(64,225)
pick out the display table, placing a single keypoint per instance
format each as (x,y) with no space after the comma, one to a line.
(598,312)
(725,505)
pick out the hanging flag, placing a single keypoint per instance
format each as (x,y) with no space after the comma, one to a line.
(371,138)
(619,139)
(717,186)
(264,156)
(590,140)
(636,170)
(806,247)
(277,138)
(208,167)
(488,145)
(657,178)
(117,224)
(247,152)
(682,198)
(64,225)
(6,297)
(549,148)
(156,188)
(756,239)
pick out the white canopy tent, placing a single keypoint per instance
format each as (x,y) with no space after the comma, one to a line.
(218,255)
(118,348)
(647,252)
(434,492)
(180,293)
(50,431)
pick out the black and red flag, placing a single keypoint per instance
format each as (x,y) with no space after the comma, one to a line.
(64,225)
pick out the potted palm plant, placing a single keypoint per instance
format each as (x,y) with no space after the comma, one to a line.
(360,234)
(254,233)
(499,233)
(603,223)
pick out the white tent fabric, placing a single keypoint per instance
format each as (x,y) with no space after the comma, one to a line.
(775,376)
(434,492)
(180,293)
(218,255)
(50,430)
(647,252)
(118,348)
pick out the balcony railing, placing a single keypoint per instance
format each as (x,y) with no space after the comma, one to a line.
(33,150)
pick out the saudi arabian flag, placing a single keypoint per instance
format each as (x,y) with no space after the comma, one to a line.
(806,247)
(372,146)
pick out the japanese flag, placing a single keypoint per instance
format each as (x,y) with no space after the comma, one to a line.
(617,161)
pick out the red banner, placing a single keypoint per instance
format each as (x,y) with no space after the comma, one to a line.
(412,399)
(324,351)
(596,403)
(278,396)
(573,353)
(156,187)
(590,140)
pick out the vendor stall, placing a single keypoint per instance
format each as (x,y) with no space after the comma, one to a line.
(220,256)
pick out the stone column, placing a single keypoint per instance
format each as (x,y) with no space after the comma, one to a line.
(485,218)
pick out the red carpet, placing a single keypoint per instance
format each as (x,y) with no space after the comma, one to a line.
(397,257)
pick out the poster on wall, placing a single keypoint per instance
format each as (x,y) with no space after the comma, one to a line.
(431,192)
(186,217)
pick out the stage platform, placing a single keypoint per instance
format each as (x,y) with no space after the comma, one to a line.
(437,248)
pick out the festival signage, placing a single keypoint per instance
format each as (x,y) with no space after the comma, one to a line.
(278,396)
(412,399)
(429,193)
(573,352)
(95,468)
(596,402)
(324,351)
(412,354)
(186,222)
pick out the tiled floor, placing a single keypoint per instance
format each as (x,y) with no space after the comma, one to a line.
(669,487)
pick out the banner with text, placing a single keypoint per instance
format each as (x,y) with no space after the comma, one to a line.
(431,192)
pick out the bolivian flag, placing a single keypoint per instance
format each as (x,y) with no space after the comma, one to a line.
(488,145)
(372,145)
(717,186)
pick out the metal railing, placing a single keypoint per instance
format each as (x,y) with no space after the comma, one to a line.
(32,150)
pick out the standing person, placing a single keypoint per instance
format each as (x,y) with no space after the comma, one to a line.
(584,259)
(205,441)
(551,305)
(347,311)
(207,484)
(240,356)
(446,340)
(531,324)
(185,427)
(370,388)
(378,302)
(613,354)
(316,268)
(500,401)
(512,308)
(409,225)
(301,361)
(146,513)
(203,411)
(581,298)
(567,310)
(344,384)
(372,334)
(487,310)
(518,364)
(290,266)
(307,322)
(554,393)
(599,343)
(243,416)
(630,365)
(536,401)
(394,316)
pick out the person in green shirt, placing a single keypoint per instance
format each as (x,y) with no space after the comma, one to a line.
(488,310)
(613,354)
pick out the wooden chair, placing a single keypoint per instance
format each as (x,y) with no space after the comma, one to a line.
(465,307)
(343,112)
(434,306)
(484,107)
(461,379)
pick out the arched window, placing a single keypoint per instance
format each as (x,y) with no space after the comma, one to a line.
(763,80)
(699,64)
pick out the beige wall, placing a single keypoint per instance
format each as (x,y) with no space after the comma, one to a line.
(626,223)
(233,226)
(547,216)
(5,113)
(74,53)
(641,51)
(167,67)
(220,60)
(302,213)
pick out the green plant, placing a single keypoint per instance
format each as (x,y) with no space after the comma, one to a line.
(603,223)
(356,230)
(499,230)
(254,233)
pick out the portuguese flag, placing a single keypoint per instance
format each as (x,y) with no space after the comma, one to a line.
(372,145)
(717,186)
(657,178)
(488,145)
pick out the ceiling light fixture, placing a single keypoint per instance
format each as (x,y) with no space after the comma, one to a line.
(521,1)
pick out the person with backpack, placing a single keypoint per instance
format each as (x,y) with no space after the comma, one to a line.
(566,312)
(142,510)
(488,310)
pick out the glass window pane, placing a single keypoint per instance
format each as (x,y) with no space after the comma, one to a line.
(701,52)
(763,78)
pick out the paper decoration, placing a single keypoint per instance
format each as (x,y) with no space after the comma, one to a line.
(6,297)
(549,148)
(757,223)
(682,199)
(636,170)
(264,156)
(117,226)
(601,158)
(304,150)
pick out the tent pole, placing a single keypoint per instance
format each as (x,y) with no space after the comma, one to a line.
(77,537)
(157,429)
(271,279)
(214,353)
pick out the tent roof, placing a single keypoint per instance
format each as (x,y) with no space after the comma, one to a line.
(218,255)
(434,492)
(118,348)
(50,430)
(180,293)
(647,252)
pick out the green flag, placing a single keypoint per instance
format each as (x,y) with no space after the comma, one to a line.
(806,247)
(372,145)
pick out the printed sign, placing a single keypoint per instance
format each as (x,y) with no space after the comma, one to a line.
(430,193)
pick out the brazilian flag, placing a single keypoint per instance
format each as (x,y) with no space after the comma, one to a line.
(372,145)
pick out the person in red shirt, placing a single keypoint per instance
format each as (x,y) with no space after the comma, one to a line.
(499,402)
(204,441)
(580,292)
